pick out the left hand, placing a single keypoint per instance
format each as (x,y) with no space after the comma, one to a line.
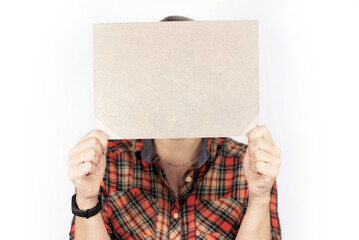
(261,163)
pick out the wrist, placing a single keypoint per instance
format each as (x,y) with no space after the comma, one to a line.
(259,200)
(86,203)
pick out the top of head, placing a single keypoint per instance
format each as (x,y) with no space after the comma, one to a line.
(176,18)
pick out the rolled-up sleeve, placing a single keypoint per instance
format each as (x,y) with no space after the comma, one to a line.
(275,224)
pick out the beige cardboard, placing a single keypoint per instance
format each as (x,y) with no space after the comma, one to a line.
(176,79)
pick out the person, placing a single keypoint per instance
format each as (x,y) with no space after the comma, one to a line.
(179,188)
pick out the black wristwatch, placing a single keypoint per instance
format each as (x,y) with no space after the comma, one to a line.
(88,212)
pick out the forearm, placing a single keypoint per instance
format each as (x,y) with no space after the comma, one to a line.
(256,222)
(91,228)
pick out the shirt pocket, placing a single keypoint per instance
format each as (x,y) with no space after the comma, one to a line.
(218,218)
(134,214)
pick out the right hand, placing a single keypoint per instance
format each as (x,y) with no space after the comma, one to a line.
(86,166)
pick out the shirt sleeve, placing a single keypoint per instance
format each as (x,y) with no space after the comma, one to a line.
(274,218)
(104,212)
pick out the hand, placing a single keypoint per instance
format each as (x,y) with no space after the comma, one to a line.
(261,163)
(86,166)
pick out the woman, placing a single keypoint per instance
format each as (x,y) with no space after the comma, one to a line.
(173,196)
(184,188)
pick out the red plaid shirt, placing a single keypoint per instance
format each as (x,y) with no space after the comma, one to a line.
(138,202)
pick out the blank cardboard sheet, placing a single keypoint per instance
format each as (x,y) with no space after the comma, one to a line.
(179,79)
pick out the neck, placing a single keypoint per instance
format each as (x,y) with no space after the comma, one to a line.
(177,150)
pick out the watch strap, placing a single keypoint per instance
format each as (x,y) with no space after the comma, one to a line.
(88,212)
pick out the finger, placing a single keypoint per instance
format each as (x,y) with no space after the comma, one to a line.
(265,169)
(102,138)
(260,131)
(86,144)
(88,155)
(102,162)
(82,170)
(260,155)
(262,144)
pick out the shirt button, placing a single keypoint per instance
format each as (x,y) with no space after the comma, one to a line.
(188,179)
(175,215)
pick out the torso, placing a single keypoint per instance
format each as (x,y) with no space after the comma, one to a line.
(133,187)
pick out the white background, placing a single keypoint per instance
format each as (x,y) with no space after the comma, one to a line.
(308,90)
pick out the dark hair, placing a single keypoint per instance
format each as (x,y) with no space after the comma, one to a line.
(176,18)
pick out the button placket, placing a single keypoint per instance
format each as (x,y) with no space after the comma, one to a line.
(175,231)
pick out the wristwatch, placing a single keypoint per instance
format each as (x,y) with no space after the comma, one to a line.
(88,212)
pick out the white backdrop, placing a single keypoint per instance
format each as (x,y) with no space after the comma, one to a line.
(308,53)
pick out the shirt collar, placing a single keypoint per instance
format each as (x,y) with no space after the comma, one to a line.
(207,154)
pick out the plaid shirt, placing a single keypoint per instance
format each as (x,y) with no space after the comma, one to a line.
(138,202)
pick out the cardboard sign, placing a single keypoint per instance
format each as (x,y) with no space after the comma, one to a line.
(178,79)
